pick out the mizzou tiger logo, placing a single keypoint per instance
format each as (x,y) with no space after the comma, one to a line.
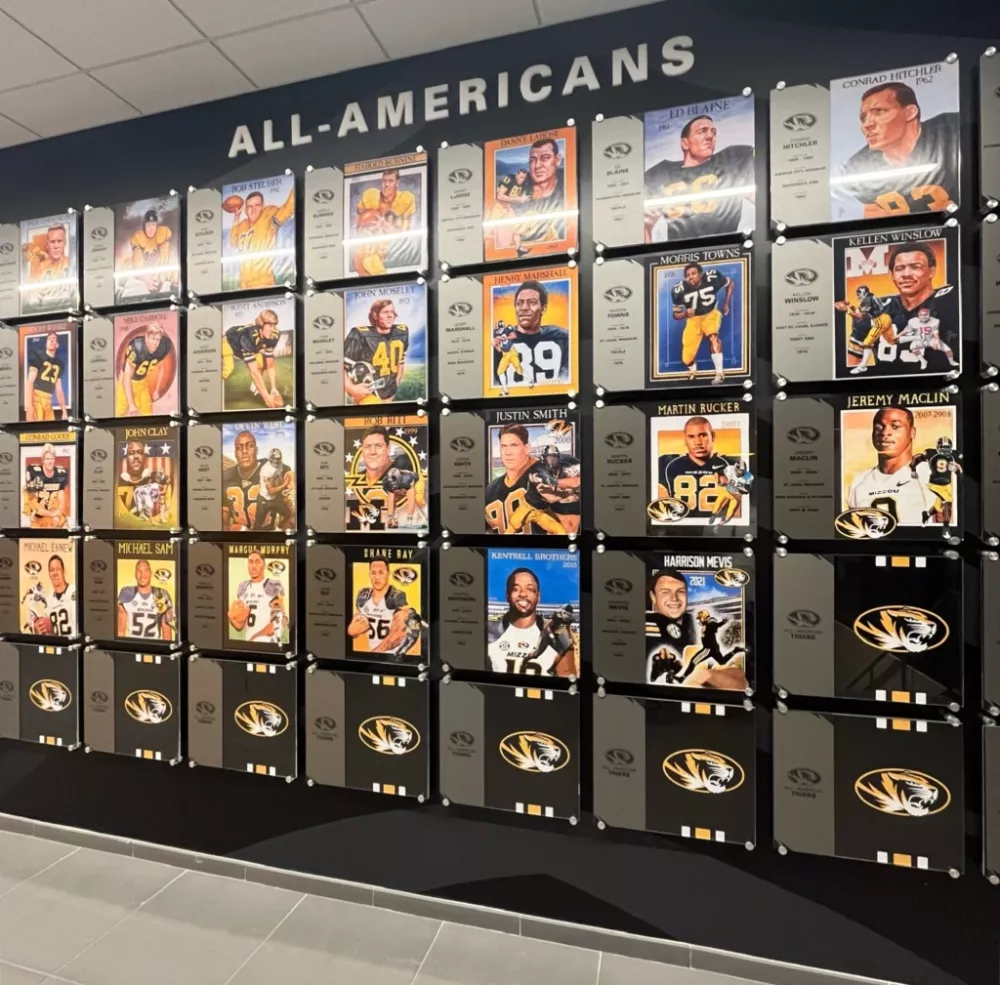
(901,629)
(50,695)
(389,735)
(902,792)
(667,510)
(703,771)
(731,577)
(865,524)
(534,752)
(261,719)
(148,707)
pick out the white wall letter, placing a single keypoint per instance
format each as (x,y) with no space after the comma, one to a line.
(242,142)
(676,58)
(581,73)
(638,69)
(395,114)
(353,119)
(530,95)
(436,102)
(471,91)
(298,137)
(503,85)
(269,142)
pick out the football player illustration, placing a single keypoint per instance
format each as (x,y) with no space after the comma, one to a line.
(151,253)
(702,194)
(53,613)
(695,301)
(143,491)
(912,267)
(255,345)
(908,164)
(258,614)
(44,381)
(46,493)
(708,484)
(536,493)
(389,489)
(138,386)
(145,612)
(275,504)
(521,641)
(241,485)
(530,352)
(375,356)
(384,622)
(684,647)
(48,261)
(923,333)
(915,489)
(255,232)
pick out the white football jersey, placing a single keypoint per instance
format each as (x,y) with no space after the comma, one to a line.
(145,614)
(903,493)
(921,332)
(509,653)
(61,609)
(258,595)
(379,611)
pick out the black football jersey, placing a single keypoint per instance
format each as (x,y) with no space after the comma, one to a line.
(693,484)
(928,191)
(142,359)
(547,357)
(385,353)
(537,227)
(504,498)
(49,370)
(703,298)
(242,495)
(568,466)
(247,340)
(42,485)
(509,184)
(729,168)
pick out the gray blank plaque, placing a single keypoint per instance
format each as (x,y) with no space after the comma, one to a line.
(463,472)
(327,586)
(989,128)
(618,180)
(460,337)
(98,594)
(462,709)
(620,325)
(805,473)
(203,360)
(326,749)
(991,462)
(619,616)
(620,794)
(621,474)
(462,602)
(10,701)
(10,589)
(205,727)
(800,155)
(991,798)
(10,376)
(204,476)
(10,270)
(990,592)
(324,349)
(989,272)
(100,464)
(460,204)
(98,367)
(207,606)
(10,481)
(204,241)
(99,258)
(99,716)
(804,653)
(324,474)
(802,313)
(323,222)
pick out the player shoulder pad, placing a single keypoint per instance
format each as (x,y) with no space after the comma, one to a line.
(273,587)
(72,593)
(570,467)
(159,593)
(942,291)
(242,590)
(363,596)
(395,599)
(60,471)
(495,628)
(677,290)
(127,594)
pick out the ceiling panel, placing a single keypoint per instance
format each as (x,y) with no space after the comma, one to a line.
(76,102)
(96,32)
(13,133)
(556,11)
(411,27)
(197,73)
(308,47)
(220,17)
(24,59)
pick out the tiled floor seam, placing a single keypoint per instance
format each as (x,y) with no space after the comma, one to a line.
(273,931)
(437,933)
(33,875)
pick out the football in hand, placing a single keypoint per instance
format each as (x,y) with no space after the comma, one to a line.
(239,612)
(233,203)
(43,626)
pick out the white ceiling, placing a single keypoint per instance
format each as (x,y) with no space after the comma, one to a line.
(69,65)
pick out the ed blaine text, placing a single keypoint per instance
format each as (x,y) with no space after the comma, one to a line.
(477,95)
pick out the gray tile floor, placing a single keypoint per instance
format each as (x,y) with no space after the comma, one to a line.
(74,916)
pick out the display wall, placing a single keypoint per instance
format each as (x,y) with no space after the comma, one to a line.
(591,624)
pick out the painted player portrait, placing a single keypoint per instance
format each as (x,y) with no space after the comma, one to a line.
(49,477)
(387,602)
(146,354)
(146,487)
(258,477)
(535,476)
(147,249)
(701,319)
(385,216)
(901,461)
(894,142)
(899,308)
(258,233)
(259,609)
(530,336)
(533,613)
(699,170)
(48,587)
(385,344)
(47,355)
(258,353)
(50,265)
(146,592)
(695,634)
(530,195)
(385,474)
(702,470)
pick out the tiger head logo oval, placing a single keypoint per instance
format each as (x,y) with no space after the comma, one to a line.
(703,771)
(389,735)
(148,707)
(901,629)
(865,524)
(902,792)
(262,719)
(50,695)
(534,752)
